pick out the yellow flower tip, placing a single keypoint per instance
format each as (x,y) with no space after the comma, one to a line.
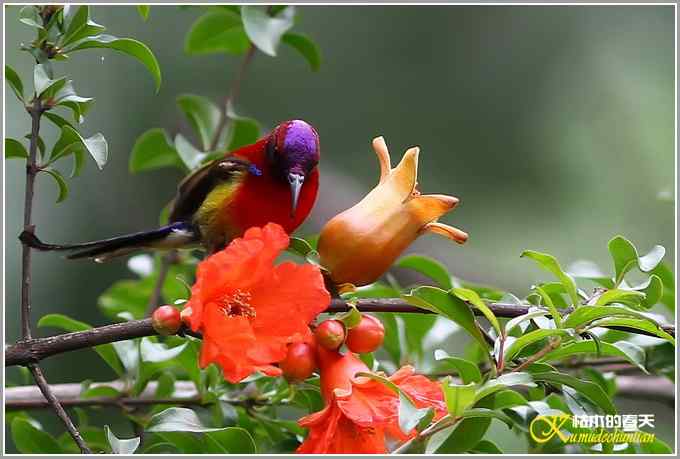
(447,231)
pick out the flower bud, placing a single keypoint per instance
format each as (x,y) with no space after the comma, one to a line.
(367,336)
(300,362)
(337,371)
(330,334)
(359,245)
(166,320)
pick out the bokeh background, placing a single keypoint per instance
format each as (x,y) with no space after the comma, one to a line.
(553,125)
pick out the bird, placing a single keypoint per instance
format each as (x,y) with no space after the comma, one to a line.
(275,179)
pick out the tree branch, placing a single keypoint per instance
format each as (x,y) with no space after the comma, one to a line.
(34,350)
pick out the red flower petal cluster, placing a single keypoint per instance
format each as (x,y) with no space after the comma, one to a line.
(249,309)
(362,413)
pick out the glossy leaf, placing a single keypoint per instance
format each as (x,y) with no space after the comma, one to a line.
(143,11)
(128,46)
(634,354)
(15,149)
(215,32)
(121,446)
(14,81)
(504,381)
(306,47)
(263,30)
(70,140)
(646,325)
(515,321)
(467,371)
(105,351)
(28,439)
(590,390)
(178,420)
(627,297)
(586,269)
(488,413)
(586,314)
(550,263)
(29,15)
(153,150)
(232,440)
(664,272)
(242,131)
(547,300)
(530,338)
(458,397)
(80,26)
(653,289)
(428,267)
(464,436)
(203,116)
(42,82)
(158,352)
(61,183)
(190,155)
(471,297)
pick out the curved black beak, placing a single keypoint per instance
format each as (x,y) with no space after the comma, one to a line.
(295,180)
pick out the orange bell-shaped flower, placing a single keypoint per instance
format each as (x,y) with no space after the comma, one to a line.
(358,245)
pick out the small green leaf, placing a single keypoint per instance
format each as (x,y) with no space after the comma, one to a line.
(178,420)
(300,246)
(508,398)
(128,46)
(42,82)
(645,324)
(488,413)
(121,446)
(652,289)
(627,297)
(351,318)
(232,440)
(547,300)
(158,352)
(467,371)
(61,183)
(203,116)
(428,267)
(29,15)
(411,417)
(242,131)
(264,30)
(666,275)
(190,155)
(503,382)
(215,32)
(105,351)
(153,150)
(28,439)
(651,260)
(70,141)
(551,264)
(306,47)
(66,97)
(143,11)
(81,26)
(515,321)
(101,392)
(58,121)
(471,297)
(586,314)
(14,81)
(634,354)
(14,149)
(458,397)
(530,338)
(590,390)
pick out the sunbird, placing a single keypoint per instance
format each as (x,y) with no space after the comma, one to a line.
(276,179)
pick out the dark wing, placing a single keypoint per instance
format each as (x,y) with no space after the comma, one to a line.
(193,190)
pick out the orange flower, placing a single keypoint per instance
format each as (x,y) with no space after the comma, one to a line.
(248,309)
(358,245)
(361,413)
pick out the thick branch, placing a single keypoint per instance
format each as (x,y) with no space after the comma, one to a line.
(34,350)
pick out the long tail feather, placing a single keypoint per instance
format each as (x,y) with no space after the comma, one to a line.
(171,236)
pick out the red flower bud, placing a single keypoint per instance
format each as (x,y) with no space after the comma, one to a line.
(367,336)
(300,362)
(166,320)
(330,334)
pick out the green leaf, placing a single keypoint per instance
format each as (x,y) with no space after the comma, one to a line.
(515,321)
(121,446)
(128,46)
(14,81)
(626,257)
(58,121)
(178,420)
(300,246)
(464,435)
(264,30)
(158,352)
(467,371)
(190,155)
(646,325)
(70,141)
(215,32)
(153,150)
(242,131)
(306,47)
(486,447)
(471,297)
(232,440)
(105,351)
(81,26)
(66,97)
(530,338)
(411,417)
(550,263)
(14,149)
(101,392)
(586,269)
(351,318)
(590,390)
(61,183)
(504,381)
(547,300)
(652,289)
(29,16)
(42,82)
(668,278)
(441,302)
(143,11)
(508,398)
(656,447)
(28,439)
(627,297)
(428,267)
(586,314)
(634,354)
(458,397)
(651,260)
(203,116)
(488,413)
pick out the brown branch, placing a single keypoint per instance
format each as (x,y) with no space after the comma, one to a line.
(34,350)
(551,346)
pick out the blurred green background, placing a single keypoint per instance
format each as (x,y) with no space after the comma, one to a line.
(553,125)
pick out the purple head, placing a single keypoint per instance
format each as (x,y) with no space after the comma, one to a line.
(293,152)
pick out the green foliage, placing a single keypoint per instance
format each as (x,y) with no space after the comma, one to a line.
(30,439)
(121,446)
(265,30)
(306,47)
(215,32)
(153,150)
(14,149)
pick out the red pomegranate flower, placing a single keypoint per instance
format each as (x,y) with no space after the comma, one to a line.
(361,413)
(248,309)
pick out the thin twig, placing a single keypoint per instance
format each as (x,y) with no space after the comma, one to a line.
(551,346)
